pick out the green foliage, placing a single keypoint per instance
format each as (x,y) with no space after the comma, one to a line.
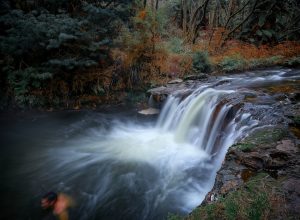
(55,37)
(231,209)
(98,90)
(252,201)
(135,97)
(22,81)
(229,64)
(272,21)
(175,45)
(201,62)
(272,60)
(258,206)
(245,146)
(293,62)
(57,40)
(265,62)
(267,135)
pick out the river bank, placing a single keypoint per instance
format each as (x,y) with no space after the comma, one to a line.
(259,177)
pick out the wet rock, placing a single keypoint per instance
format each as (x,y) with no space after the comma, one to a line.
(276,163)
(222,82)
(149,111)
(175,81)
(160,94)
(295,97)
(228,178)
(291,188)
(280,96)
(292,185)
(158,90)
(287,146)
(253,160)
(229,186)
(196,76)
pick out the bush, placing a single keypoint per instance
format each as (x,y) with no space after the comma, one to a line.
(59,41)
(201,62)
(23,81)
(175,45)
(293,62)
(229,64)
(273,60)
(53,39)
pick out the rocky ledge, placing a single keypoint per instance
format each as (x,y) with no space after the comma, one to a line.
(260,176)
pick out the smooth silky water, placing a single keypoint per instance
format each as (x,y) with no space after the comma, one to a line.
(117,166)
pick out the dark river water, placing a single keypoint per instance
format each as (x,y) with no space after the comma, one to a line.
(116,164)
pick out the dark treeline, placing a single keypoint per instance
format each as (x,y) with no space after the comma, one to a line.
(54,51)
(42,40)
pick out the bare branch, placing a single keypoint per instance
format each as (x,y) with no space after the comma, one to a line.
(240,24)
(237,12)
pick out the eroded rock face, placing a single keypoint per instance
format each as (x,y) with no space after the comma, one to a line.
(281,160)
(292,188)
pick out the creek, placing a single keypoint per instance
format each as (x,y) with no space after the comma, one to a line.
(116,164)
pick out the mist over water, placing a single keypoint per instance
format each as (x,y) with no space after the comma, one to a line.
(117,166)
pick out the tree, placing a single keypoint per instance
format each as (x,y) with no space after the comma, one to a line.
(193,18)
(44,39)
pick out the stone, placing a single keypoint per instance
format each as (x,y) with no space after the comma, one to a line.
(175,81)
(228,186)
(292,185)
(287,146)
(157,90)
(228,178)
(252,160)
(149,111)
(196,77)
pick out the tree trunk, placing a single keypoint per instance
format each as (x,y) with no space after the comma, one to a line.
(184,16)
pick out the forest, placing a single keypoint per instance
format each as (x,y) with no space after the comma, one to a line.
(83,53)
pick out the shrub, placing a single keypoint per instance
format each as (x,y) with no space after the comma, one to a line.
(201,62)
(175,45)
(53,39)
(23,81)
(273,60)
(293,62)
(229,64)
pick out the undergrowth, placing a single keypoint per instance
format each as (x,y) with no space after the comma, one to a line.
(259,198)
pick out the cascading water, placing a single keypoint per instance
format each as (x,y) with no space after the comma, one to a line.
(123,170)
(166,168)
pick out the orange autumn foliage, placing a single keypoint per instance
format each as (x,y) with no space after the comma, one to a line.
(142,14)
(212,40)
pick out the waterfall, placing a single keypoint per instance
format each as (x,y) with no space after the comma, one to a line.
(203,119)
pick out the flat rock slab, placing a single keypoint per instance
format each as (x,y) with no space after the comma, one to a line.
(149,111)
(175,81)
(287,146)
